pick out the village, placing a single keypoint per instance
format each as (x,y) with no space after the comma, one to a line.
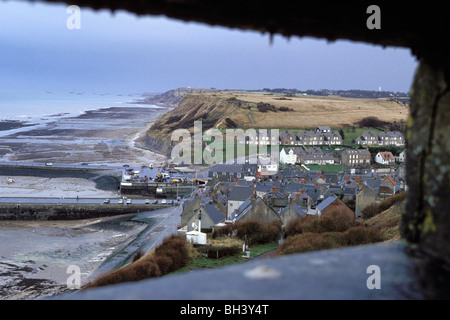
(311,178)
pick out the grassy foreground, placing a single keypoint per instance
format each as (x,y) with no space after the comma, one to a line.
(199,261)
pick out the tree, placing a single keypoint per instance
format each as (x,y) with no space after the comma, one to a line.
(341,132)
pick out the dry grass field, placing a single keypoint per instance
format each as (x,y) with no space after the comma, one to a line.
(312,111)
(234,109)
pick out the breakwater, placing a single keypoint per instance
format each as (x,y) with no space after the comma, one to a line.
(52,212)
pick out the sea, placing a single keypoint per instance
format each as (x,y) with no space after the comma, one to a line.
(40,107)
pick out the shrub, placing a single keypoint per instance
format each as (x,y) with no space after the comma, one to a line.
(165,264)
(248,230)
(225,231)
(175,248)
(301,225)
(362,235)
(171,255)
(371,122)
(370,211)
(264,107)
(270,232)
(139,254)
(143,270)
(137,271)
(336,221)
(307,242)
(390,201)
(251,231)
(373,209)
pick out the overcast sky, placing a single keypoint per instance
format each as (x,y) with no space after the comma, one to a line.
(122,53)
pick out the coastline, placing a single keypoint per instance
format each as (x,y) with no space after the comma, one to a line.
(34,264)
(35,255)
(101,136)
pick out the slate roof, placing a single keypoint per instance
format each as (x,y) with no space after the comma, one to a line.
(240,193)
(296,209)
(325,203)
(228,168)
(215,214)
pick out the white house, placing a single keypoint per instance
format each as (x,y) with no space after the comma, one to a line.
(288,156)
(402,156)
(385,158)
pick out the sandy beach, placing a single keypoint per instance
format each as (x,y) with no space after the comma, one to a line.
(38,187)
(104,136)
(35,255)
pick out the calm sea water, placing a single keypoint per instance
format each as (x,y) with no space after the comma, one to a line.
(37,106)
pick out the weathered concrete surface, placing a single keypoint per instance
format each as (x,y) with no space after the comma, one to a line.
(330,274)
(426,221)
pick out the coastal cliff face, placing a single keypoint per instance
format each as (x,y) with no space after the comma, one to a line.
(214,110)
(173,98)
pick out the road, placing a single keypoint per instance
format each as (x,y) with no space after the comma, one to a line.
(77,201)
(171,219)
(165,223)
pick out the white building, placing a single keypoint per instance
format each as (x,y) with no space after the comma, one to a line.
(385,158)
(288,156)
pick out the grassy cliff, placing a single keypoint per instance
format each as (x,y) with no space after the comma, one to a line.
(228,109)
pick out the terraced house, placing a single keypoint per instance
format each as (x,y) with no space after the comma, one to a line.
(288,138)
(385,138)
(368,138)
(319,137)
(391,138)
(309,138)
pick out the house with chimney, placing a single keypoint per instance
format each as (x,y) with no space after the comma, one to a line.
(387,187)
(210,217)
(237,197)
(226,172)
(332,138)
(290,212)
(255,208)
(322,129)
(332,203)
